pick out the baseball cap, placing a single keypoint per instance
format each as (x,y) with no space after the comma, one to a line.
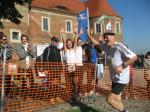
(55,39)
(108,33)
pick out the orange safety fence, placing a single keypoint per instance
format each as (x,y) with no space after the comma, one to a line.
(45,84)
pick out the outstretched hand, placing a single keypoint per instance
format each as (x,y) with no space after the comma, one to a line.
(62,33)
(50,34)
(91,32)
(81,32)
(75,31)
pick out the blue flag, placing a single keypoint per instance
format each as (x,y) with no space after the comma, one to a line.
(83,23)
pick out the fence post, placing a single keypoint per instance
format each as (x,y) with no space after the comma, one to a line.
(147,78)
(3,80)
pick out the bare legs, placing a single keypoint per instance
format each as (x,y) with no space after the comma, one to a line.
(115,101)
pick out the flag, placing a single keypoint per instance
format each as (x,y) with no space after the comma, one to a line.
(83,23)
(101,18)
(108,26)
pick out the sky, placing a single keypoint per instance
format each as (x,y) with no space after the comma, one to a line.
(135,24)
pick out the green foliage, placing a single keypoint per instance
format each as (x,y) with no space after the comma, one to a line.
(8,10)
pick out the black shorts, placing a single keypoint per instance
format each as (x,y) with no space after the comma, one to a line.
(117,88)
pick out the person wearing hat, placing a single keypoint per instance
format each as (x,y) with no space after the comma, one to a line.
(52,53)
(118,58)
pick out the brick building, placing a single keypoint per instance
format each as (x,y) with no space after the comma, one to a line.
(49,16)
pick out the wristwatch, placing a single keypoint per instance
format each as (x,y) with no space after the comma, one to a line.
(124,65)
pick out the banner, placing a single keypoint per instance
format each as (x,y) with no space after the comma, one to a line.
(108,26)
(83,23)
(40,48)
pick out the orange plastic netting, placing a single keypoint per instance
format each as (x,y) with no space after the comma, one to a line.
(45,84)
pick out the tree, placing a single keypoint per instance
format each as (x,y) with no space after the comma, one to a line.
(8,10)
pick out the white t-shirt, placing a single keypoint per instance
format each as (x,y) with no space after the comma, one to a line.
(78,52)
(70,59)
(116,56)
(27,57)
(70,56)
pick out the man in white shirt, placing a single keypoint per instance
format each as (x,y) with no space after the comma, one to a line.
(118,57)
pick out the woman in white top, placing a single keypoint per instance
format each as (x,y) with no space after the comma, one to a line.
(73,55)
(73,52)
(70,52)
(78,51)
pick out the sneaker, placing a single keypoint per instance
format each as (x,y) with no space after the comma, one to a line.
(125,110)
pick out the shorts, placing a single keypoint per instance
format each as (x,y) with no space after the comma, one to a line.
(117,88)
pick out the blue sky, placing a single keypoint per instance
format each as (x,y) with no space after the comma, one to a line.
(136,23)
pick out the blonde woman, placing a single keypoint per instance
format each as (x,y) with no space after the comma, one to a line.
(70,49)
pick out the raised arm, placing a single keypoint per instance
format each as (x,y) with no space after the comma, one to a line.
(75,38)
(89,33)
(77,35)
(62,36)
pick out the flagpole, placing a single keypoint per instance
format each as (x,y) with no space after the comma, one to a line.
(88,17)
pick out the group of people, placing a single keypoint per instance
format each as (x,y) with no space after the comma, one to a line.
(143,61)
(118,58)
(72,50)
(23,50)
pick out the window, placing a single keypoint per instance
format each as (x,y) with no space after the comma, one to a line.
(68,26)
(45,24)
(117,27)
(15,35)
(98,28)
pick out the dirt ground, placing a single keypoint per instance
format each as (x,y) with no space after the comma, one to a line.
(131,105)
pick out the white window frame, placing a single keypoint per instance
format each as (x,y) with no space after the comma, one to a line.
(116,27)
(48,19)
(11,36)
(101,26)
(70,26)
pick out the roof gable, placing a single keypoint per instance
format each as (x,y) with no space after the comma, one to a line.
(99,8)
(75,6)
(96,7)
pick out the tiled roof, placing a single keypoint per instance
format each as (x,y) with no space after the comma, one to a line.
(99,8)
(75,6)
(96,7)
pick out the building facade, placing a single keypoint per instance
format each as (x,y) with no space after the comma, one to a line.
(47,17)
